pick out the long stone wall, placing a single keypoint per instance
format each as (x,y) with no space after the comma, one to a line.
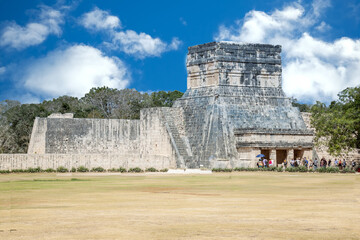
(80,135)
(108,143)
(107,161)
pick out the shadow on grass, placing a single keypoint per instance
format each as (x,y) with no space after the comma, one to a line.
(60,180)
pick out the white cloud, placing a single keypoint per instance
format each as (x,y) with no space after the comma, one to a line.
(2,70)
(142,45)
(318,6)
(74,71)
(99,20)
(33,33)
(313,69)
(322,27)
(175,43)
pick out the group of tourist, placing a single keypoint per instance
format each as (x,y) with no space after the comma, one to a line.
(308,163)
(264,163)
(323,163)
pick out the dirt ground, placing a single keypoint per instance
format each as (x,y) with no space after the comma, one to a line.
(258,205)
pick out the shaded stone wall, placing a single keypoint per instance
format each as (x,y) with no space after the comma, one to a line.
(80,135)
(155,142)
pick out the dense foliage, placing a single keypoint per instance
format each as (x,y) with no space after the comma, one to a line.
(338,125)
(16,119)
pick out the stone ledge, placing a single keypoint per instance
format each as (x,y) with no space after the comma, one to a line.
(304,132)
(274,145)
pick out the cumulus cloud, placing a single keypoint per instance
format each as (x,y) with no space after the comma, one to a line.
(142,45)
(313,69)
(98,19)
(139,45)
(74,71)
(33,33)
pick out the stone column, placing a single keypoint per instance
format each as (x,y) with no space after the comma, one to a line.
(256,151)
(273,154)
(290,154)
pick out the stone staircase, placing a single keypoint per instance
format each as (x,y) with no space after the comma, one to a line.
(182,150)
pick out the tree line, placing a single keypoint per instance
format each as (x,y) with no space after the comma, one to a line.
(16,119)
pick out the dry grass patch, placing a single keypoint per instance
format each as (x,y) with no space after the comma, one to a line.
(255,205)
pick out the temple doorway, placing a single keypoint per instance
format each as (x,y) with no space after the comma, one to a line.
(266,153)
(298,154)
(280,156)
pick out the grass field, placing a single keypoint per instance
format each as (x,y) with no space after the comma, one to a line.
(257,205)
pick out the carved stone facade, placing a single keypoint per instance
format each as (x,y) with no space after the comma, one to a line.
(234,109)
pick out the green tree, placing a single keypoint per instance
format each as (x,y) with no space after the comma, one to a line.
(66,104)
(102,99)
(7,136)
(20,120)
(165,99)
(338,126)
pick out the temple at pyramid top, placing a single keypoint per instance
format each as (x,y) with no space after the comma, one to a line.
(234,64)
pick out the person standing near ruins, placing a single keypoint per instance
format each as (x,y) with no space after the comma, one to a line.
(266,163)
(329,163)
(292,163)
(353,164)
(306,162)
(323,163)
(315,163)
(271,162)
(336,163)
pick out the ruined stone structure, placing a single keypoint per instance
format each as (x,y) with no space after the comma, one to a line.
(234,109)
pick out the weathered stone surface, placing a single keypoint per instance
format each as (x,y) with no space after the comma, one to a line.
(107,161)
(234,88)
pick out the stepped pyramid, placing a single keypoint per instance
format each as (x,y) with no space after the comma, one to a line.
(234,107)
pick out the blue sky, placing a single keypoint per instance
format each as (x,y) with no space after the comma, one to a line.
(54,48)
